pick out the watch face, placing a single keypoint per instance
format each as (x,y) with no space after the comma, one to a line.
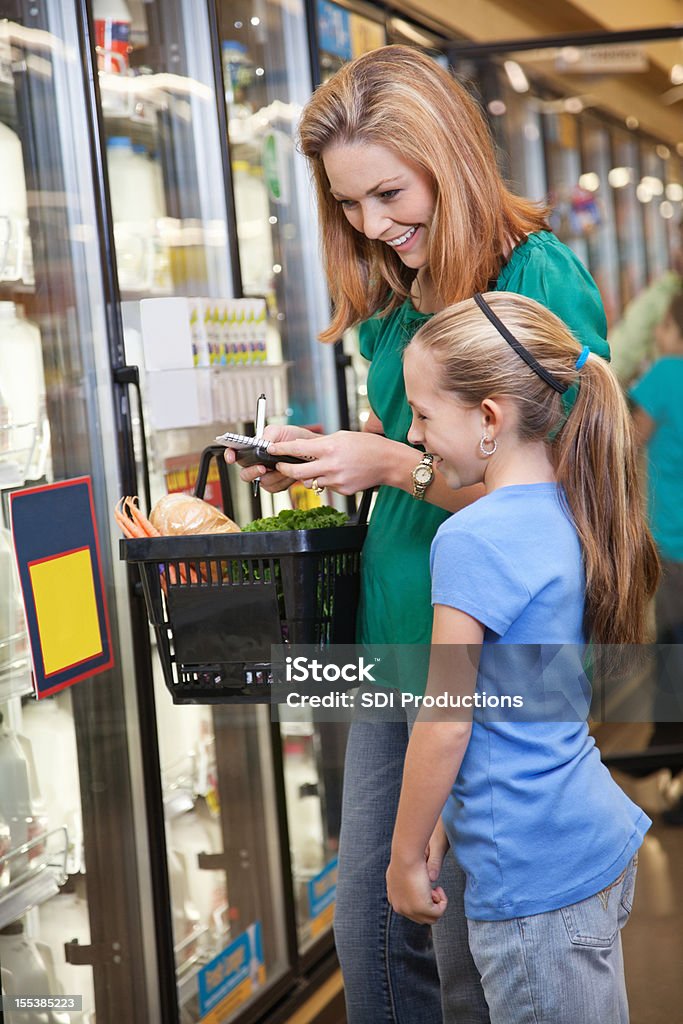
(423,474)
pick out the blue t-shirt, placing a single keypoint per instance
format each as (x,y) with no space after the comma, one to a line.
(660,394)
(535,819)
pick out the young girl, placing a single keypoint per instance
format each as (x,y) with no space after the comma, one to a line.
(555,553)
(414,215)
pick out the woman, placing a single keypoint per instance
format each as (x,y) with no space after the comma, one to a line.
(414,216)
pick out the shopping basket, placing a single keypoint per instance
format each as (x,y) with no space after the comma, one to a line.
(218,602)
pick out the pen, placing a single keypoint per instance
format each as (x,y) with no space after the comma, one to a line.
(259,427)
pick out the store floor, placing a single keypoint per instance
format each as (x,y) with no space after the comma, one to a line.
(653,938)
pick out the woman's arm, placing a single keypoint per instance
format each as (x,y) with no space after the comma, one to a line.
(643,425)
(351,461)
(435,752)
(373,424)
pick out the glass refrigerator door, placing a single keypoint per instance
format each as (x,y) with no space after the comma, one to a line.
(227,887)
(71,896)
(266,80)
(313,754)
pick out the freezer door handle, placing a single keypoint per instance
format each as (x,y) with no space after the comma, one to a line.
(94,955)
(213,861)
(127,377)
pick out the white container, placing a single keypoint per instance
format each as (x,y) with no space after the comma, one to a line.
(22,383)
(15,794)
(16,263)
(137,207)
(13,633)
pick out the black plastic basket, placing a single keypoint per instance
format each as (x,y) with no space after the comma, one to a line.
(218,602)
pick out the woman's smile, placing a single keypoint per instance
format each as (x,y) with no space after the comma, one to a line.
(384,197)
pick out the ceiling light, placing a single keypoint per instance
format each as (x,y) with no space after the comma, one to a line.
(497,108)
(590,181)
(516,76)
(619,176)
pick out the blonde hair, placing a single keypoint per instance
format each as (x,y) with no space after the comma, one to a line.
(592,450)
(402,99)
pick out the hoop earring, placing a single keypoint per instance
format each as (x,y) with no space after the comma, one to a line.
(487,452)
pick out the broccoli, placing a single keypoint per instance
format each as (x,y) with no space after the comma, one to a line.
(299,519)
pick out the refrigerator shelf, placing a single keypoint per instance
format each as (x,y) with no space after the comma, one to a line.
(36,884)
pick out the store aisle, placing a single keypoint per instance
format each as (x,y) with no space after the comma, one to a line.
(653,939)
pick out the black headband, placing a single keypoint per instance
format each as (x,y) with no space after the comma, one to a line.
(523,353)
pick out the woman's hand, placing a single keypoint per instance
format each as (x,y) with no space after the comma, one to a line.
(410,891)
(271,480)
(347,461)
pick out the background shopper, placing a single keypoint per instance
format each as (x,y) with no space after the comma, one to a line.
(658,419)
(633,339)
(414,215)
(546,837)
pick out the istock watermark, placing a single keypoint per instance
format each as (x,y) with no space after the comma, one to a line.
(303,670)
(494,683)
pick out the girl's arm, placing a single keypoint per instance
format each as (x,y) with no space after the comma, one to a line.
(436,749)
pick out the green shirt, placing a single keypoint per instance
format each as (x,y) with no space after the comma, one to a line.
(395,605)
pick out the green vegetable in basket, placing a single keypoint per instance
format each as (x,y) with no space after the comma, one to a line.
(299,519)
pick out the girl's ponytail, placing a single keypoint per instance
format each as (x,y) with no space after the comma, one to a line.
(596,464)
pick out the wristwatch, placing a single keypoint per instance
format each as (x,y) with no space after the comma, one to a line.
(423,475)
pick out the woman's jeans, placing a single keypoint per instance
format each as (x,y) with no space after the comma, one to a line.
(562,967)
(388,962)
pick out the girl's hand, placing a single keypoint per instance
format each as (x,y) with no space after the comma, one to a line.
(347,461)
(410,892)
(436,851)
(271,480)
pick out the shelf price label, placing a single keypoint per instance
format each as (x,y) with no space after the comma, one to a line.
(232,977)
(322,892)
(60,570)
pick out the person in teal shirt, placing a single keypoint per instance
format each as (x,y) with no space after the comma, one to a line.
(658,418)
(414,216)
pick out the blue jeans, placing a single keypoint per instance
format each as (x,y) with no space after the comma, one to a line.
(388,962)
(562,967)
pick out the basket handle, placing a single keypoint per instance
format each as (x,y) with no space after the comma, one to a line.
(217,452)
(363,510)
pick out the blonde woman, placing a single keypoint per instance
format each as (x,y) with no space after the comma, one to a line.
(414,216)
(554,555)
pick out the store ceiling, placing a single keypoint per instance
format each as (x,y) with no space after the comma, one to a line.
(637,96)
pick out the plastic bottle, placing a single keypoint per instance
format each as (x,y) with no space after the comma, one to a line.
(15,794)
(14,652)
(112,35)
(15,261)
(135,208)
(22,381)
